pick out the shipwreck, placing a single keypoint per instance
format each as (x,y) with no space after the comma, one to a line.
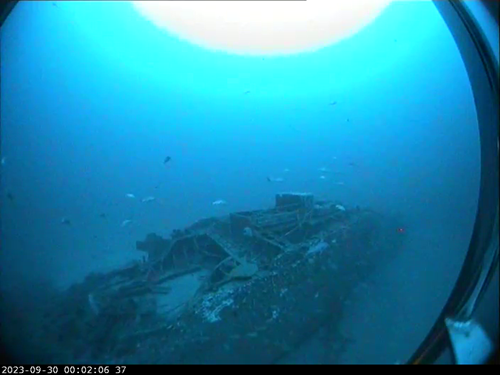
(248,287)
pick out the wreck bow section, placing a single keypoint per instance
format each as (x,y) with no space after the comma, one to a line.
(244,288)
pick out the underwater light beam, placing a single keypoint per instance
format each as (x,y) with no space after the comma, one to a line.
(262,27)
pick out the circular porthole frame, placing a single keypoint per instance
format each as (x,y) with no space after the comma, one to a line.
(481,261)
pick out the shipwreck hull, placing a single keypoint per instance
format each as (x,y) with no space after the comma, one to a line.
(267,317)
(264,292)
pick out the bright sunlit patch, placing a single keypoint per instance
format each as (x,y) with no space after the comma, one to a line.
(262,27)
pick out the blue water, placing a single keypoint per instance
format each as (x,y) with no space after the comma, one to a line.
(94,97)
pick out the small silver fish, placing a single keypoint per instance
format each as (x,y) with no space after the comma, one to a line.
(129,195)
(65,221)
(275,179)
(148,199)
(219,202)
(4,160)
(317,248)
(340,207)
(126,223)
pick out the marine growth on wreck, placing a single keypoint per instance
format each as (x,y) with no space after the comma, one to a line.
(248,287)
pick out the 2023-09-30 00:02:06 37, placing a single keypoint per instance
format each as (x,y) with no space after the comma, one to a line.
(66,369)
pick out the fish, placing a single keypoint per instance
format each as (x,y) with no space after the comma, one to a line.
(102,216)
(275,179)
(129,195)
(322,177)
(125,223)
(324,169)
(340,207)
(10,196)
(167,159)
(333,103)
(340,183)
(148,199)
(65,221)
(219,202)
(317,248)
(4,160)
(286,170)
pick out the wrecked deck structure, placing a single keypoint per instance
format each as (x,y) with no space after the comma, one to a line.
(248,287)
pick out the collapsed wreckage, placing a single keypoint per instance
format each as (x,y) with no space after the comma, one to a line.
(248,287)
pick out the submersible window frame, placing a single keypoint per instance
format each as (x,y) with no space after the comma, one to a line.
(481,260)
(482,257)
